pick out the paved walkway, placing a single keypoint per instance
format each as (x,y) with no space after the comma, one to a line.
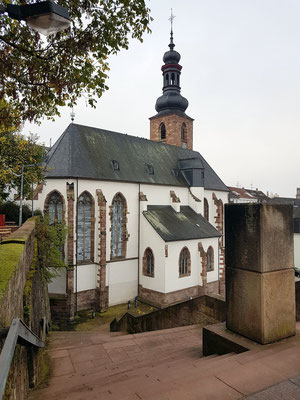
(165,365)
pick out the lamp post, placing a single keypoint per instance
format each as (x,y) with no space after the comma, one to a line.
(21,189)
(45,17)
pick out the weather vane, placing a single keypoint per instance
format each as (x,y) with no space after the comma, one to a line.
(171,19)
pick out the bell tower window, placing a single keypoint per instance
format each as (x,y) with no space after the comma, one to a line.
(183,132)
(172,78)
(162,128)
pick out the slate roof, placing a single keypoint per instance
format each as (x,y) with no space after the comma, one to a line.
(88,153)
(184,225)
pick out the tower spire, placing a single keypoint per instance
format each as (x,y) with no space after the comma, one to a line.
(171,125)
(171,19)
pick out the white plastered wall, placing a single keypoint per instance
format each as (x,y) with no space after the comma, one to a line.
(58,284)
(122,279)
(160,194)
(86,277)
(212,276)
(150,238)
(208,194)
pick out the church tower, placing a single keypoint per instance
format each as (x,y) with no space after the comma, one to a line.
(171,125)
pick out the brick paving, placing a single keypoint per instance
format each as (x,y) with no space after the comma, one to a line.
(166,365)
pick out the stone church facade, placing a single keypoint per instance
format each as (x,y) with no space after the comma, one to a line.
(145,217)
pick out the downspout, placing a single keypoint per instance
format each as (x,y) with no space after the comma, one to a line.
(76,255)
(139,221)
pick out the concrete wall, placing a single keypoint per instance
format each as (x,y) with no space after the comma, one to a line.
(201,310)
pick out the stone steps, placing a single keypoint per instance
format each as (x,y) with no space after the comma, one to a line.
(161,365)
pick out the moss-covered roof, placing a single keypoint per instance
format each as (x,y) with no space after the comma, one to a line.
(184,225)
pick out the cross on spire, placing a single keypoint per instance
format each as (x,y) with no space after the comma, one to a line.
(171,19)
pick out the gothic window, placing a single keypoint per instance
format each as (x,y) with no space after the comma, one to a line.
(183,132)
(162,128)
(118,226)
(84,227)
(148,263)
(54,207)
(206,209)
(210,259)
(184,262)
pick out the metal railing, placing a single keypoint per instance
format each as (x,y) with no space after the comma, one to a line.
(21,334)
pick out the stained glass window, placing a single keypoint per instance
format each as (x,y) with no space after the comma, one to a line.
(117,229)
(84,227)
(149,259)
(54,207)
(184,259)
(209,259)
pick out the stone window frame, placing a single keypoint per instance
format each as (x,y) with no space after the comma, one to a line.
(46,211)
(210,266)
(162,133)
(206,209)
(47,202)
(92,257)
(125,234)
(184,265)
(148,252)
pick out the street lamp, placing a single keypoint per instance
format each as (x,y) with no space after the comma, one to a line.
(45,17)
(21,190)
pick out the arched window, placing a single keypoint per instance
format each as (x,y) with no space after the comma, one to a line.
(172,78)
(183,132)
(184,262)
(206,209)
(210,259)
(54,207)
(84,227)
(148,263)
(118,226)
(162,128)
(167,79)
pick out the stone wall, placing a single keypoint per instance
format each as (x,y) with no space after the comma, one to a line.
(204,309)
(23,294)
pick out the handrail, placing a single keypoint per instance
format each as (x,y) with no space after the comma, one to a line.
(18,333)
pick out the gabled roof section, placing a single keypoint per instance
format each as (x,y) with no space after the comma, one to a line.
(91,153)
(184,225)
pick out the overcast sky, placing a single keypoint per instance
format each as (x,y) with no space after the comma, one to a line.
(241,67)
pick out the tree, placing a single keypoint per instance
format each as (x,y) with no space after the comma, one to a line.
(17,150)
(50,242)
(38,74)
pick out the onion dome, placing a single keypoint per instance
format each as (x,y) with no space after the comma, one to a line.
(171,98)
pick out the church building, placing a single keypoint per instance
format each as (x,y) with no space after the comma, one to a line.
(145,217)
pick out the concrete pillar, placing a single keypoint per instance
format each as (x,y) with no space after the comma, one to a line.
(260,286)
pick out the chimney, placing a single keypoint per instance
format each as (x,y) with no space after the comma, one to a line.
(298,193)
